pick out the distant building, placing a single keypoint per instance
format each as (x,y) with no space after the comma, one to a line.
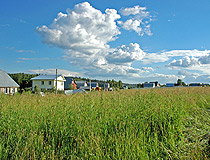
(195,84)
(156,83)
(149,85)
(48,82)
(93,84)
(7,84)
(170,84)
(81,84)
(69,83)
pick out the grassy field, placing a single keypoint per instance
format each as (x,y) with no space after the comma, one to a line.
(127,124)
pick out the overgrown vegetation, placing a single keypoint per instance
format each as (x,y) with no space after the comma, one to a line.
(22,79)
(126,124)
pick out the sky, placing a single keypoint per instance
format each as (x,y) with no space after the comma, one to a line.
(133,41)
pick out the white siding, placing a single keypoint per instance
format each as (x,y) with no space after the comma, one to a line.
(60,84)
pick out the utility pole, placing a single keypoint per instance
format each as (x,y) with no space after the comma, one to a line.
(90,85)
(56,82)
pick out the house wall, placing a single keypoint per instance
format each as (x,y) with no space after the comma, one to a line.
(46,85)
(8,90)
(60,85)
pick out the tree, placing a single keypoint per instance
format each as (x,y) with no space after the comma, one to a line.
(120,84)
(179,82)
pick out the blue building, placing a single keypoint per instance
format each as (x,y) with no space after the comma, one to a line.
(170,84)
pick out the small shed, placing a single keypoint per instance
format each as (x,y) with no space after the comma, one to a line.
(7,84)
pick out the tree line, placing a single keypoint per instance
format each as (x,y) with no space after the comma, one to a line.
(23,80)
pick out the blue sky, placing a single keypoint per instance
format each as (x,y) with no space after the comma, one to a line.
(135,41)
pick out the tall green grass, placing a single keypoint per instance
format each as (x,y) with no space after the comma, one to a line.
(126,124)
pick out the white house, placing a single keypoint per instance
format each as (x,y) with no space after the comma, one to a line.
(48,82)
(7,84)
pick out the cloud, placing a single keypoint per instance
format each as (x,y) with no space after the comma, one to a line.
(196,79)
(33,59)
(84,29)
(125,54)
(185,62)
(134,11)
(168,55)
(186,73)
(193,53)
(147,69)
(25,51)
(139,21)
(52,72)
(84,33)
(205,59)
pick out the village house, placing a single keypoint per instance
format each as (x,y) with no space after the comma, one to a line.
(104,85)
(94,85)
(7,84)
(81,84)
(48,82)
(149,85)
(69,84)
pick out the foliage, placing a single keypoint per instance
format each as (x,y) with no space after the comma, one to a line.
(37,90)
(24,80)
(179,82)
(171,123)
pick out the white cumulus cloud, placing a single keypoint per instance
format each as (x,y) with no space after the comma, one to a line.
(185,62)
(125,54)
(139,20)
(83,29)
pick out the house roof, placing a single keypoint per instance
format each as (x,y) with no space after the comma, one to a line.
(6,80)
(45,77)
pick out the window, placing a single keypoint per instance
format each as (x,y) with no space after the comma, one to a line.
(61,83)
(50,82)
(42,82)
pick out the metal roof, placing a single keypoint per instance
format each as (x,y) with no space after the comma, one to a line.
(6,80)
(45,77)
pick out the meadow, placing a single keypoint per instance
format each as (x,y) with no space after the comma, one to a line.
(165,123)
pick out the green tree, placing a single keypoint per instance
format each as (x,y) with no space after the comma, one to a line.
(179,82)
(120,84)
(37,90)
